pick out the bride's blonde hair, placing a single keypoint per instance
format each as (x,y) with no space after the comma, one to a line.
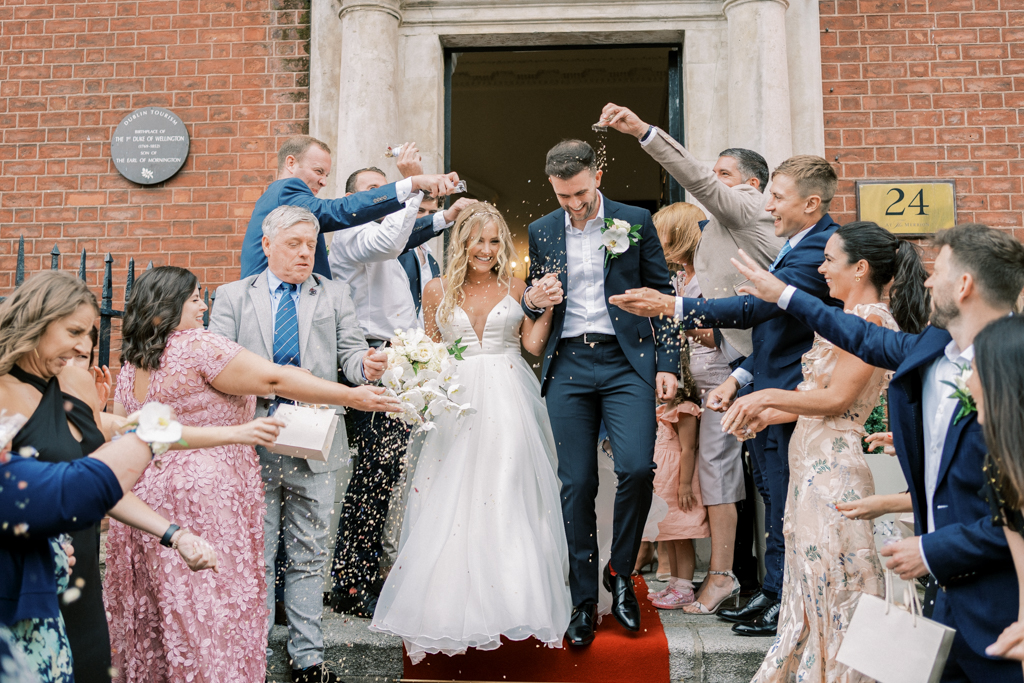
(468,227)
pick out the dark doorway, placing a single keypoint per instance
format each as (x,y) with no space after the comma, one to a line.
(505,109)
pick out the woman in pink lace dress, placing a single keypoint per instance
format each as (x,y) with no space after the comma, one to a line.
(166,623)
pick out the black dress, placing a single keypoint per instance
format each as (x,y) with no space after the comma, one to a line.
(47,431)
(1003,514)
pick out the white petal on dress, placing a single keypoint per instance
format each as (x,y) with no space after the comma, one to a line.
(483,551)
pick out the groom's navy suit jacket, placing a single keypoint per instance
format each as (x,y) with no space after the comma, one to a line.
(966,553)
(779,340)
(650,344)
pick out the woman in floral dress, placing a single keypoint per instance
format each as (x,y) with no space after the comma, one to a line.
(831,560)
(166,623)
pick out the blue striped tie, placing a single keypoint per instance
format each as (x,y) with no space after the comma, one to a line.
(786,248)
(286,328)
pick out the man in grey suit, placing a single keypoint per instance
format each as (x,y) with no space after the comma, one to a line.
(733,195)
(291,316)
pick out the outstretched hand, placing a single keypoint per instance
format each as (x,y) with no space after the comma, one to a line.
(622,120)
(410,162)
(103,383)
(763,284)
(645,302)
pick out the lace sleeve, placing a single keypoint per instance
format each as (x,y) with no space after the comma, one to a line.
(124,389)
(206,352)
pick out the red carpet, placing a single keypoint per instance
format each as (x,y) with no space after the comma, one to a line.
(615,656)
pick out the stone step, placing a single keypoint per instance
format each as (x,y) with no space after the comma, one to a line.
(701,649)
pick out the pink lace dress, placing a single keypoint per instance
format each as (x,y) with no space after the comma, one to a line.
(166,622)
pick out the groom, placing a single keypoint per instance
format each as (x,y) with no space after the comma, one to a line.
(600,364)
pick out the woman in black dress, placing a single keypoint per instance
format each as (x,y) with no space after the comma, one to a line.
(997,387)
(44,325)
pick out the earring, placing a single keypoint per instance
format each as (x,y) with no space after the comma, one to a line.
(857,278)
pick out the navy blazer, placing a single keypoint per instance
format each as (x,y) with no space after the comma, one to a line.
(58,497)
(650,344)
(967,554)
(780,341)
(333,214)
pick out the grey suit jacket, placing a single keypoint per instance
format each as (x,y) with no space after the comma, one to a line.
(330,338)
(737,221)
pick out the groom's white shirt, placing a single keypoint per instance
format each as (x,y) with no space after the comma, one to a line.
(585,307)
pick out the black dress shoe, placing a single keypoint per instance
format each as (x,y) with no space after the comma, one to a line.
(765,625)
(359,603)
(318,673)
(758,603)
(280,617)
(625,608)
(581,624)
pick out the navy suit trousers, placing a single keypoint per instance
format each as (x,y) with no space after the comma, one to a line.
(589,384)
(769,458)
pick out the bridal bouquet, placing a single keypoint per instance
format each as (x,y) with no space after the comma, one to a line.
(421,373)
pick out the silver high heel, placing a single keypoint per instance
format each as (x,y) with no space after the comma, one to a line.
(700,608)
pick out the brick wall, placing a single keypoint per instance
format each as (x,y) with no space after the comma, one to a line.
(928,89)
(235,71)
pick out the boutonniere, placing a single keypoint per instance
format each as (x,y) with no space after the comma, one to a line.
(618,236)
(962,394)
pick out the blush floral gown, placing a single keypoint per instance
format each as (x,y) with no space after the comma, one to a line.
(166,622)
(830,560)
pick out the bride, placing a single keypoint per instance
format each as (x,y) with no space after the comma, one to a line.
(483,551)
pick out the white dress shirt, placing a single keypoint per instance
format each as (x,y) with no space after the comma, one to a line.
(276,294)
(366,258)
(422,254)
(586,309)
(739,374)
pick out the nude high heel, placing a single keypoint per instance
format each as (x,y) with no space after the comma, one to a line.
(698,607)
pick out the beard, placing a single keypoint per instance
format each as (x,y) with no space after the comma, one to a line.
(943,313)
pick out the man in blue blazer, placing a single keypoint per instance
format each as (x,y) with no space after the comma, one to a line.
(978,275)
(303,166)
(801,190)
(600,364)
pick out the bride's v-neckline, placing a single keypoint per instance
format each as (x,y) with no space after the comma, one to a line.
(487,318)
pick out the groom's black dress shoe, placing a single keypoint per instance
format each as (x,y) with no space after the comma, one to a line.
(757,604)
(318,673)
(765,625)
(625,608)
(581,624)
(359,603)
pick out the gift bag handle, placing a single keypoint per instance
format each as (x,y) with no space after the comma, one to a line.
(910,598)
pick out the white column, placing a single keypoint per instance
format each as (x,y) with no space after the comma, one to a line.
(421,97)
(367,93)
(324,77)
(759,99)
(803,42)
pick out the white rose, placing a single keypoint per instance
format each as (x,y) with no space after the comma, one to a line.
(157,424)
(619,223)
(421,354)
(615,240)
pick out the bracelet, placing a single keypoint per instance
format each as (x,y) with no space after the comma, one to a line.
(168,535)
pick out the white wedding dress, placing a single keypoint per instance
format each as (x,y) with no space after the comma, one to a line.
(483,551)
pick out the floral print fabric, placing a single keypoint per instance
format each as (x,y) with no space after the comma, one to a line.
(830,560)
(166,622)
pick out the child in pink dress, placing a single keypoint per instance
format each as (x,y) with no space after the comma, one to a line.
(675,481)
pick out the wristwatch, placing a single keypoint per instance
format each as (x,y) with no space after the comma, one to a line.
(168,535)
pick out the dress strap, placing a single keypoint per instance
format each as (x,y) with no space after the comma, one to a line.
(28,378)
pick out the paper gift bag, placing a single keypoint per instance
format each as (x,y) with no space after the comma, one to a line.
(309,432)
(892,644)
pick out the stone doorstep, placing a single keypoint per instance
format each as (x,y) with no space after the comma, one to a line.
(702,649)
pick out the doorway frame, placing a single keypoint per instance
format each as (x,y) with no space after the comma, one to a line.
(676,123)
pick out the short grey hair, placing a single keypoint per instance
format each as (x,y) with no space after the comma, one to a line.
(284,217)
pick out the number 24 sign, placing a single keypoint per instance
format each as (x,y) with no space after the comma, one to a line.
(907,208)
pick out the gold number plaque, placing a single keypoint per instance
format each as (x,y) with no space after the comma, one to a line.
(908,208)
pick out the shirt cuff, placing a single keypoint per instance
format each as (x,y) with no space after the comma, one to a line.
(742,376)
(679,308)
(535,310)
(403,190)
(652,132)
(440,224)
(920,545)
(787,295)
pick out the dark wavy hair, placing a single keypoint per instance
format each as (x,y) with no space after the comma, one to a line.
(891,260)
(999,359)
(152,313)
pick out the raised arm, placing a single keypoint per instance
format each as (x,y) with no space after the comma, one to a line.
(377,243)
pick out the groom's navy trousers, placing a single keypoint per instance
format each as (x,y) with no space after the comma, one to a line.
(591,383)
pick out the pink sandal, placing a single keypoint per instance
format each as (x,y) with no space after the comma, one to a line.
(677,597)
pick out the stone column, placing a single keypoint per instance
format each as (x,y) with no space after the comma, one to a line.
(367,93)
(324,79)
(803,33)
(759,98)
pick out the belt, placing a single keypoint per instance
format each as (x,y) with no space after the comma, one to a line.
(590,338)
